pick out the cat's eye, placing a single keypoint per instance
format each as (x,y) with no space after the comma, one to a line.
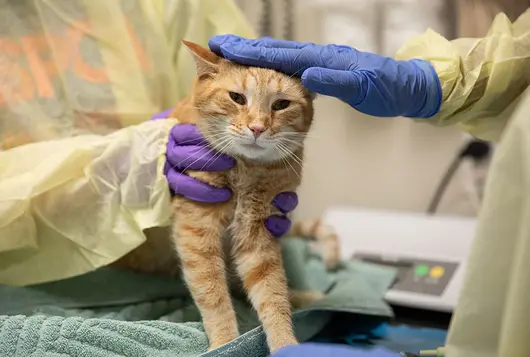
(280,104)
(238,98)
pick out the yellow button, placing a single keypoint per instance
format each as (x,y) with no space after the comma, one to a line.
(437,272)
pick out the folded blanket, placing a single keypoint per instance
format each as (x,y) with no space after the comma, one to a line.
(122,313)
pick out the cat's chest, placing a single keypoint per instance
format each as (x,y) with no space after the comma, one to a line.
(244,178)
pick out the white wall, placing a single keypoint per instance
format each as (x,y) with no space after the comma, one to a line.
(353,159)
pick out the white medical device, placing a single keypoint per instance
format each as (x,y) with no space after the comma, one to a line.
(430,252)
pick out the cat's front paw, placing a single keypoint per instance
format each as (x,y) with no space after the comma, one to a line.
(216,345)
(222,340)
(276,343)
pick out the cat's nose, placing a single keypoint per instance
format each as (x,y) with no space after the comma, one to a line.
(256,129)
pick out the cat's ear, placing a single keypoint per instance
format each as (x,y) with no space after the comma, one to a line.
(207,62)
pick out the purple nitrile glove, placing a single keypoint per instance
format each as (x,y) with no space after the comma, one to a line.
(328,350)
(187,149)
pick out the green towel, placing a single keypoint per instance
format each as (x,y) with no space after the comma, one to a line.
(122,313)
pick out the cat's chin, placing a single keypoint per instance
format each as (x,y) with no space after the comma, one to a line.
(253,147)
(255,152)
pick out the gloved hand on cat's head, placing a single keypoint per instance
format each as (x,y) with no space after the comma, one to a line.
(187,149)
(372,84)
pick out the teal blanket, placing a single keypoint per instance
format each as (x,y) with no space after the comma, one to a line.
(122,313)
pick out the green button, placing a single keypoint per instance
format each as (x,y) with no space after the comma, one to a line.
(421,270)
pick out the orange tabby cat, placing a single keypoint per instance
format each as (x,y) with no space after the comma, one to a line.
(257,254)
(259,117)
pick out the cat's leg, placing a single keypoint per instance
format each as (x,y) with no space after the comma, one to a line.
(259,263)
(197,234)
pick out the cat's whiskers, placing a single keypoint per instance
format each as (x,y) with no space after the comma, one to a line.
(219,143)
(292,168)
(226,148)
(297,143)
(191,164)
(214,133)
(201,143)
(220,147)
(198,159)
(297,159)
(290,153)
(281,157)
(301,135)
(214,158)
(282,152)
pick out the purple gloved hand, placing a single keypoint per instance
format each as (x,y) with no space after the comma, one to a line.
(187,149)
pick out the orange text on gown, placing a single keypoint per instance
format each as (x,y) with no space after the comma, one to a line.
(29,64)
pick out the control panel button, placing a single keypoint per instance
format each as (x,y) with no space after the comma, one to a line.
(437,272)
(421,270)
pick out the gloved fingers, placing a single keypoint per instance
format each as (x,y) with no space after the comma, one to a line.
(163,115)
(276,43)
(186,186)
(285,60)
(292,61)
(285,201)
(350,86)
(215,42)
(197,158)
(278,225)
(186,134)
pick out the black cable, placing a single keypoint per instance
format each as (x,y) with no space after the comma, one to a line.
(477,150)
(442,186)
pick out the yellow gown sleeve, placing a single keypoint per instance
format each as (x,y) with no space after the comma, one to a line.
(482,79)
(72,205)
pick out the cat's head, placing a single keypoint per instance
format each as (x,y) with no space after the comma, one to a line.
(256,113)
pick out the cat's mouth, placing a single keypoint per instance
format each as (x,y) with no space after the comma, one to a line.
(253,146)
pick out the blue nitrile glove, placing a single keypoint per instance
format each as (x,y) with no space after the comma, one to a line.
(187,149)
(324,350)
(372,84)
